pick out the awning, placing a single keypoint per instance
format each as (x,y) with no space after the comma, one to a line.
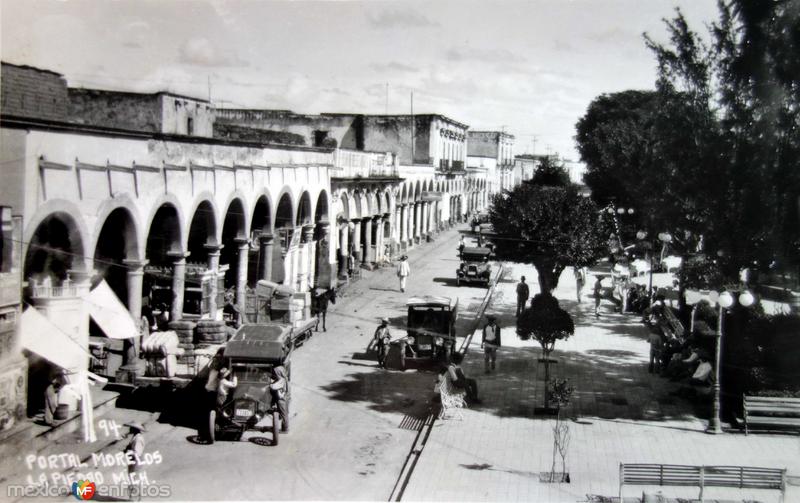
(41,336)
(430,196)
(110,314)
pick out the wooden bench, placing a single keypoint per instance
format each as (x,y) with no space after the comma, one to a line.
(452,398)
(743,477)
(672,323)
(771,411)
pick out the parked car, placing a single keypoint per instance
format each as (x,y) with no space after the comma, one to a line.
(431,329)
(475,266)
(251,354)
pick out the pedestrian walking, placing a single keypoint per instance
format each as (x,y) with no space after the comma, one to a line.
(490,342)
(351,264)
(279,390)
(598,291)
(523,292)
(134,454)
(461,245)
(380,342)
(403,270)
(580,282)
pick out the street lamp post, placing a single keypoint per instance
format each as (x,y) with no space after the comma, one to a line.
(724,301)
(665,238)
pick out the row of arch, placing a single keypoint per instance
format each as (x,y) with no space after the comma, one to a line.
(58,244)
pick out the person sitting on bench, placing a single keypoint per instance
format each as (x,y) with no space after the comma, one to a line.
(460,380)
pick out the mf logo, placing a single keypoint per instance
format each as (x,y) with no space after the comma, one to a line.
(83,489)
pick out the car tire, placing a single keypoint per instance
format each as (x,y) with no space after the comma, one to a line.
(276,426)
(211,427)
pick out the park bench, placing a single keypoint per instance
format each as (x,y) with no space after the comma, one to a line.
(742,477)
(771,411)
(452,398)
(672,324)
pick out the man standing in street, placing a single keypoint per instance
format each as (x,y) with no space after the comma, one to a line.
(523,292)
(490,342)
(403,270)
(380,341)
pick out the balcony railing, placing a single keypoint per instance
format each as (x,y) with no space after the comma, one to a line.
(357,164)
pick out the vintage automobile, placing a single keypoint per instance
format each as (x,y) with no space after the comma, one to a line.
(474,266)
(431,329)
(251,354)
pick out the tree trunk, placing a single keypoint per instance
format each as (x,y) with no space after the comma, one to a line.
(548,276)
(546,355)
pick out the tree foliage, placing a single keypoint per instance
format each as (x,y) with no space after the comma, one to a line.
(612,139)
(714,150)
(551,173)
(549,226)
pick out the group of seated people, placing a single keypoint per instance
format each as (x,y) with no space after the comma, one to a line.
(674,356)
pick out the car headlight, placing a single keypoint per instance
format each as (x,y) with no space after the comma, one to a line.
(410,340)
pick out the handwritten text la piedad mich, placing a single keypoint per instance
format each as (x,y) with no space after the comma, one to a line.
(66,468)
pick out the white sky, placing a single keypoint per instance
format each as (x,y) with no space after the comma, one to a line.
(531,66)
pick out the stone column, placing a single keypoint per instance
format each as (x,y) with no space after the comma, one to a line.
(368,240)
(213,266)
(417,221)
(344,230)
(135,280)
(378,226)
(323,272)
(266,244)
(401,225)
(241,273)
(357,238)
(306,241)
(178,284)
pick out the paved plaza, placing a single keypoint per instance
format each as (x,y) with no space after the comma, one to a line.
(619,414)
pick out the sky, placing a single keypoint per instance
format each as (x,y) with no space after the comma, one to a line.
(530,68)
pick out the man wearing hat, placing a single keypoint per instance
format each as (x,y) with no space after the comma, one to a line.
(403,270)
(490,342)
(381,340)
(134,453)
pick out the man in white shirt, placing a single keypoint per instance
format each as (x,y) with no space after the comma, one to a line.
(403,270)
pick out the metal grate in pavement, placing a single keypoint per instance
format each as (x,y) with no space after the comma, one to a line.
(411,423)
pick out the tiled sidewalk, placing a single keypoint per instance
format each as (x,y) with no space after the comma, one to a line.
(619,413)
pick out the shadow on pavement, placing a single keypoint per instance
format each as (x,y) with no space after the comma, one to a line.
(446,281)
(409,393)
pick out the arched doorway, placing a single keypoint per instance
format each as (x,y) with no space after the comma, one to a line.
(163,253)
(261,230)
(54,254)
(284,227)
(115,258)
(234,238)
(321,274)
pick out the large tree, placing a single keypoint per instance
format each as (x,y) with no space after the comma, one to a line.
(613,139)
(549,226)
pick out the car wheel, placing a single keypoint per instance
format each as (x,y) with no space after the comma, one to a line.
(211,427)
(276,426)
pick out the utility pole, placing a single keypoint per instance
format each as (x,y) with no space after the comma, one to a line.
(209,88)
(412,128)
(387,98)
